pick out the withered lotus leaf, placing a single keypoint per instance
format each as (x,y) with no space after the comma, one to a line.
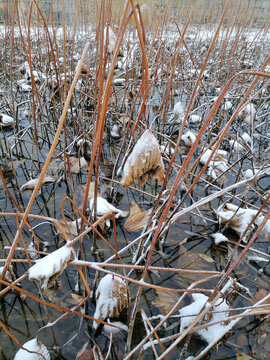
(112,297)
(137,218)
(144,162)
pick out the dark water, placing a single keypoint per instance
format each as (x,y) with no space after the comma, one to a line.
(188,243)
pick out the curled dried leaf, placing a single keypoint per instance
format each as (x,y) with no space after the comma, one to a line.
(78,164)
(70,227)
(165,301)
(137,218)
(144,162)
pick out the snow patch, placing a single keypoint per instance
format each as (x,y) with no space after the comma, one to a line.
(50,266)
(33,345)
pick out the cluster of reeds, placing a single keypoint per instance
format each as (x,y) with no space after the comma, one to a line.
(93,92)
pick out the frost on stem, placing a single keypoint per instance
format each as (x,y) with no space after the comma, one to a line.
(144,162)
(50,267)
(37,347)
(112,297)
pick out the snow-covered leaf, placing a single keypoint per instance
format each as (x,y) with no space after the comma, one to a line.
(219,314)
(103,207)
(111,40)
(248,113)
(40,351)
(6,120)
(188,313)
(178,113)
(194,119)
(112,297)
(145,161)
(219,155)
(8,276)
(137,218)
(218,238)
(50,267)
(239,219)
(30,185)
(188,138)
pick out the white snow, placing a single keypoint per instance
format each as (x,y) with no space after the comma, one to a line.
(216,168)
(33,345)
(119,82)
(236,146)
(250,173)
(246,138)
(219,313)
(107,329)
(178,113)
(214,332)
(6,120)
(217,164)
(227,105)
(52,264)
(189,138)
(25,87)
(194,119)
(218,237)
(8,276)
(189,312)
(103,207)
(166,149)
(115,131)
(248,113)
(208,152)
